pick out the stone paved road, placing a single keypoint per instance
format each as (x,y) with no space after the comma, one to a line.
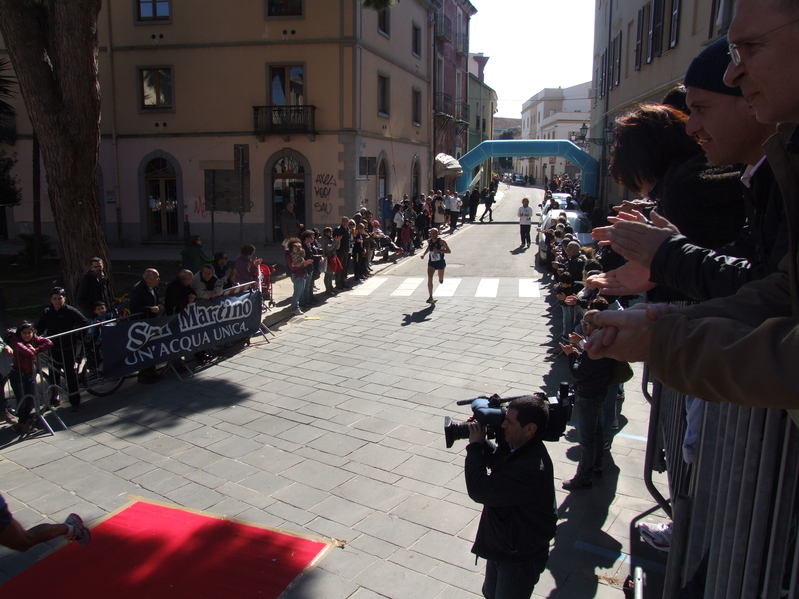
(335,428)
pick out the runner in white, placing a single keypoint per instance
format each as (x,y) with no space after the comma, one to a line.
(437,248)
(525,214)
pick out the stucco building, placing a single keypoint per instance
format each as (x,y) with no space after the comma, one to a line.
(553,114)
(641,50)
(482,105)
(224,112)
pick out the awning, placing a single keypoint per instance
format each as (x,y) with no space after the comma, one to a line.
(447,166)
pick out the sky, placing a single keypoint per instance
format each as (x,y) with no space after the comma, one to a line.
(532,44)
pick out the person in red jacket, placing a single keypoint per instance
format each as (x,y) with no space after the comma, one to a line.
(26,346)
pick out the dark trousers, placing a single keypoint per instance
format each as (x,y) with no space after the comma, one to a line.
(63,352)
(23,385)
(488,212)
(589,433)
(341,276)
(525,233)
(505,580)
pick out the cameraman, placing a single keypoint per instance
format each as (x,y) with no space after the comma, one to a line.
(518,496)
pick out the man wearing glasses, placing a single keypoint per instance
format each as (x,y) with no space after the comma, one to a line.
(740,349)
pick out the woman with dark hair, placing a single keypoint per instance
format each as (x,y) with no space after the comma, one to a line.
(652,155)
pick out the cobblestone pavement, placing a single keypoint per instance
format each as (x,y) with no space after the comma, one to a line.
(335,429)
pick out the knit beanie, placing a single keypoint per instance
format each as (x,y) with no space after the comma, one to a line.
(707,70)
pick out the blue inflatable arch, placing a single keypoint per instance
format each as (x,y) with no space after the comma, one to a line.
(531,148)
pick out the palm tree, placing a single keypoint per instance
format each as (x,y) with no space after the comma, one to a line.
(8,130)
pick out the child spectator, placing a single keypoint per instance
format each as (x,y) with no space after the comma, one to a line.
(297,255)
(26,346)
(407,233)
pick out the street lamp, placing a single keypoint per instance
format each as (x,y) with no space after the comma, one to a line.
(584,142)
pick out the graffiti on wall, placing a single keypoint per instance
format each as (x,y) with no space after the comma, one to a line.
(322,189)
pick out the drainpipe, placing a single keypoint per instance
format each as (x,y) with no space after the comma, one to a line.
(431,178)
(118,209)
(605,121)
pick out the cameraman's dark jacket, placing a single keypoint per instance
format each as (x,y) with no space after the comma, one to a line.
(519,518)
(591,377)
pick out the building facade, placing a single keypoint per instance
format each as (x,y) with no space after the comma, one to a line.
(482,105)
(641,50)
(216,115)
(451,80)
(553,114)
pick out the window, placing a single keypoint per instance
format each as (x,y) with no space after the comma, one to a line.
(612,64)
(154,10)
(617,60)
(416,41)
(384,22)
(382,95)
(155,87)
(658,7)
(283,8)
(650,30)
(639,39)
(288,85)
(417,107)
(674,25)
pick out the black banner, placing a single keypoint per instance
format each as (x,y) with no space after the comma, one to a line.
(132,345)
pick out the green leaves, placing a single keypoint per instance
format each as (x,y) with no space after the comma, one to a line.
(378,4)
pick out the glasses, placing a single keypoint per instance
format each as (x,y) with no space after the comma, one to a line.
(735,53)
(586,323)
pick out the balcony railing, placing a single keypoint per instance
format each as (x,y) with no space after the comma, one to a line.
(284,120)
(443,27)
(461,110)
(444,103)
(462,44)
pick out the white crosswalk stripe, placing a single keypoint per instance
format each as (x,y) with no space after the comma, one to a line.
(447,288)
(487,288)
(407,287)
(369,286)
(529,288)
(483,288)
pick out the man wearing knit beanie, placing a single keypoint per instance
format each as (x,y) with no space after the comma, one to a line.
(730,134)
(720,117)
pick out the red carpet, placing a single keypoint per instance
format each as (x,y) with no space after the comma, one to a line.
(149,551)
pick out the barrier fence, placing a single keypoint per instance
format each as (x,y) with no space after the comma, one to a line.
(96,358)
(735,509)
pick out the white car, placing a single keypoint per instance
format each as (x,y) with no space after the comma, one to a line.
(565,202)
(582,228)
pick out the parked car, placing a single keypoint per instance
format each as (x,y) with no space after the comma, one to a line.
(582,228)
(565,202)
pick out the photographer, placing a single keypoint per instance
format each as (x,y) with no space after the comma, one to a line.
(518,497)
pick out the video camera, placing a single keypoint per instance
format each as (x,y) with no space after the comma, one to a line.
(489,412)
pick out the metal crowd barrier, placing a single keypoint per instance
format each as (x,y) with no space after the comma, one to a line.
(735,510)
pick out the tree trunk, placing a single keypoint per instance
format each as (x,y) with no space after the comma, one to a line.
(53,48)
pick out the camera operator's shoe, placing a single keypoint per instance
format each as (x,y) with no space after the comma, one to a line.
(577,484)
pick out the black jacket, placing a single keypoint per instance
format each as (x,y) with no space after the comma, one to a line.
(177,296)
(52,321)
(92,290)
(519,511)
(591,377)
(704,274)
(142,298)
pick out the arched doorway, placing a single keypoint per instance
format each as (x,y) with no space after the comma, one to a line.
(163,219)
(288,185)
(382,180)
(415,178)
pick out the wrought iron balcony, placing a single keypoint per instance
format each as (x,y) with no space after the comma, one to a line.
(443,27)
(284,120)
(462,44)
(462,110)
(444,103)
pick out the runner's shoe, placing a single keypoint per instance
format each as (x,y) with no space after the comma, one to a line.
(81,534)
(430,300)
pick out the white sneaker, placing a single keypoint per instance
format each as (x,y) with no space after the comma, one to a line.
(81,534)
(656,534)
(296,312)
